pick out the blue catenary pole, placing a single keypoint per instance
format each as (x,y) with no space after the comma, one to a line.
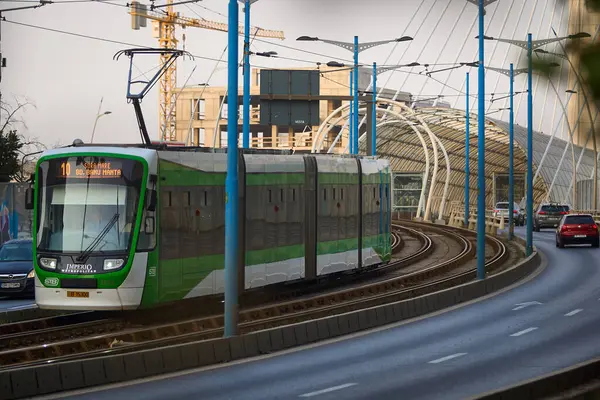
(529,247)
(467,155)
(355,116)
(481,156)
(350,117)
(231,181)
(246,116)
(374,119)
(511,171)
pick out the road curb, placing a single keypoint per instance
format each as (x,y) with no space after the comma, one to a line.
(39,380)
(572,382)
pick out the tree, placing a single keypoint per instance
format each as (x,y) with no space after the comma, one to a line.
(10,146)
(587,54)
(15,147)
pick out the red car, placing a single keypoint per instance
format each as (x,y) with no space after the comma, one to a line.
(577,229)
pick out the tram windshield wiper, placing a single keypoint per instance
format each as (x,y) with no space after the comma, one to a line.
(85,254)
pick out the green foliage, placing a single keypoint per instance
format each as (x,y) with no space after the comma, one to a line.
(589,57)
(586,52)
(10,145)
(593,5)
(14,147)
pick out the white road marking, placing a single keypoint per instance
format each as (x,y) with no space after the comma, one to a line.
(527,304)
(524,331)
(450,357)
(328,390)
(23,307)
(570,314)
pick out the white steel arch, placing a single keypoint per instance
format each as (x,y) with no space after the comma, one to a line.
(321,133)
(420,207)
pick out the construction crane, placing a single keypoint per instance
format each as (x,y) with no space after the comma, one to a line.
(164,20)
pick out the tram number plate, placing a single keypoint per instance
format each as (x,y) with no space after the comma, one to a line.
(11,285)
(77,294)
(580,236)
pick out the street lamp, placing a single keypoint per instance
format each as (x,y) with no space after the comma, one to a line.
(542,51)
(356,47)
(376,71)
(531,45)
(266,54)
(372,86)
(481,144)
(96,122)
(231,180)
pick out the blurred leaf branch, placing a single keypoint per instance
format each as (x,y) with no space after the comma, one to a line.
(586,53)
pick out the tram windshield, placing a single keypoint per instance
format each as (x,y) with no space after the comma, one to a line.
(87,204)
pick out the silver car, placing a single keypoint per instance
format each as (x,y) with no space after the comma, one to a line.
(501,210)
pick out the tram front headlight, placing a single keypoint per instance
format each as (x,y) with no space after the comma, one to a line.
(49,263)
(113,264)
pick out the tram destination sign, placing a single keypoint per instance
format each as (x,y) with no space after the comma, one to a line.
(93,170)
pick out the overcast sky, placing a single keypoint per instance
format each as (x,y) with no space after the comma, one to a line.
(66,76)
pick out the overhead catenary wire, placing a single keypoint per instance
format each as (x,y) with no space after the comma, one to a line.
(102,39)
(448,36)
(494,46)
(536,77)
(210,10)
(548,86)
(431,32)
(536,35)
(513,37)
(470,32)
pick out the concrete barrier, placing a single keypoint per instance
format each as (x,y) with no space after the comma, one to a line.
(7,317)
(38,380)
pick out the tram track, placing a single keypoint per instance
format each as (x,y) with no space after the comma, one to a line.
(377,292)
(78,325)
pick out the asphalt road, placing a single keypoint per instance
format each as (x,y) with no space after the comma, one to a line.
(543,325)
(13,304)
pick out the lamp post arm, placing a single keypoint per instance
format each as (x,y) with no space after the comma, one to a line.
(361,46)
(507,72)
(534,44)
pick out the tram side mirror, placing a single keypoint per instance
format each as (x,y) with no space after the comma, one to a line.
(151,200)
(149,225)
(29,198)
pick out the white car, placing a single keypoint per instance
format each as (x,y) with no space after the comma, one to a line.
(501,210)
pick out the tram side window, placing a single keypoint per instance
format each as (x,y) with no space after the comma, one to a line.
(147,237)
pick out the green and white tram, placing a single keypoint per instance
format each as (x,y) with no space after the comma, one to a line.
(128,227)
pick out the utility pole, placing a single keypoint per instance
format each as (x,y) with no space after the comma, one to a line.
(529,245)
(481,153)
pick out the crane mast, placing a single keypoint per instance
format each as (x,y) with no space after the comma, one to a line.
(164,22)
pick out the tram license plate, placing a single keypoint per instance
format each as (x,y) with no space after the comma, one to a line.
(11,285)
(77,294)
(580,236)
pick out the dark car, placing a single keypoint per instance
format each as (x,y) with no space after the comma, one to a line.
(577,229)
(16,268)
(549,215)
